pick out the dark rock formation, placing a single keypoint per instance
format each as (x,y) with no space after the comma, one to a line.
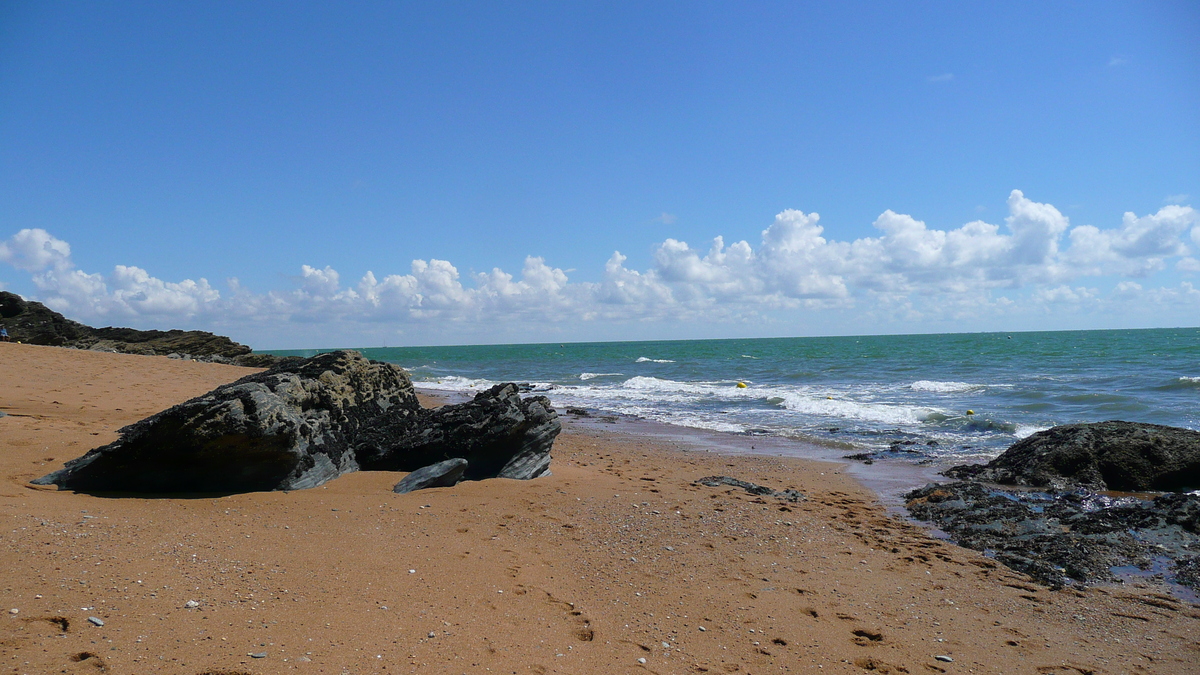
(788,495)
(195,343)
(498,433)
(1126,456)
(34,323)
(306,421)
(283,429)
(259,360)
(1064,538)
(442,474)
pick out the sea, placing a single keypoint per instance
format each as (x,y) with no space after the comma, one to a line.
(893,400)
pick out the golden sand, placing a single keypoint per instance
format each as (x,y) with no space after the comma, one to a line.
(618,563)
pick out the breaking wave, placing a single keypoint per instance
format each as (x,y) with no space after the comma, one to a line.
(943,387)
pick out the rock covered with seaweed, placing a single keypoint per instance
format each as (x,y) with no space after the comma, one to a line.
(1043,507)
(1067,538)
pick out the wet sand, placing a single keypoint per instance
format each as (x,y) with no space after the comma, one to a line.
(616,558)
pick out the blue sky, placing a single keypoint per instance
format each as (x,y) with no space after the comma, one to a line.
(559,171)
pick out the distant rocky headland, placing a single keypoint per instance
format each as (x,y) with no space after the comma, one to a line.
(36,324)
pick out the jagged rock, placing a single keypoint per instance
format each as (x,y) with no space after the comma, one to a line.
(1128,456)
(442,474)
(498,433)
(288,428)
(306,421)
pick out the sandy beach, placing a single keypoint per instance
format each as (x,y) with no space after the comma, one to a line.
(618,563)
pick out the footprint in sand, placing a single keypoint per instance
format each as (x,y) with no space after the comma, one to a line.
(582,629)
(866,636)
(870,663)
(90,659)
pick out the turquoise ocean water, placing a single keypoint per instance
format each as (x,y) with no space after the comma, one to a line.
(906,397)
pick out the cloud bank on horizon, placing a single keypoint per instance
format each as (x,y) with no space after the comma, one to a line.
(908,276)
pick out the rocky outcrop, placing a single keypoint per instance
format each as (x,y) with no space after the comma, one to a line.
(195,343)
(1067,538)
(306,421)
(498,433)
(1125,456)
(33,323)
(442,474)
(288,428)
(36,324)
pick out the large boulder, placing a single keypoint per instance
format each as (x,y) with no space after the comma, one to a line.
(306,421)
(498,433)
(288,428)
(1125,456)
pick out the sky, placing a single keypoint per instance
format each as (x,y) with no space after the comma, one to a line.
(304,175)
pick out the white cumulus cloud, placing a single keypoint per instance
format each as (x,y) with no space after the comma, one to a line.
(1139,246)
(33,250)
(906,272)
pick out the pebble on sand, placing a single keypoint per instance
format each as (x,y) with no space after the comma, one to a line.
(94,621)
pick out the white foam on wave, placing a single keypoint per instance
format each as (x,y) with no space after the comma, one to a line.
(1190,380)
(848,409)
(671,401)
(649,392)
(591,376)
(469,384)
(646,359)
(455,383)
(644,383)
(1027,430)
(654,390)
(694,421)
(943,387)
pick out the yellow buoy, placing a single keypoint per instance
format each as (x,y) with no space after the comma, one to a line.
(970,412)
(741,385)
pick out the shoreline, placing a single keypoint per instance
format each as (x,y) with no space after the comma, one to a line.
(617,557)
(889,480)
